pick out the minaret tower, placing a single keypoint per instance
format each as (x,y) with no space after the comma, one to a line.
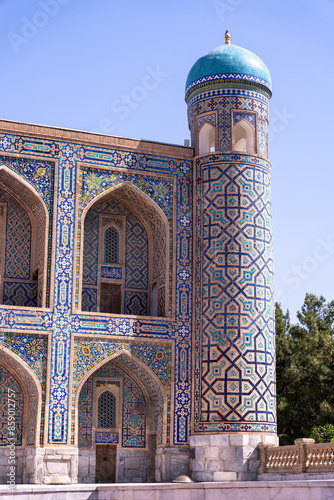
(227,93)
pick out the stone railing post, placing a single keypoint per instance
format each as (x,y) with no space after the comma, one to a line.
(263,447)
(302,454)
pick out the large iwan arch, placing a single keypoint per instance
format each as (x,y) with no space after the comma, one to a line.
(24,222)
(139,401)
(20,390)
(137,283)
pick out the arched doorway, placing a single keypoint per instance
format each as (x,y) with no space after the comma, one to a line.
(125,254)
(23,242)
(121,409)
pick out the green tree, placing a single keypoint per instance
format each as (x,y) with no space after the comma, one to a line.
(305,369)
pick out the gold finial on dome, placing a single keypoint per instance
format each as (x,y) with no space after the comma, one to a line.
(227,37)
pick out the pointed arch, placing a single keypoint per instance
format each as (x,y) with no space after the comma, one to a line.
(156,224)
(206,139)
(31,201)
(244,137)
(146,379)
(122,187)
(32,395)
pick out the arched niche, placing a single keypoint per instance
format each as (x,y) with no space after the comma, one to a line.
(206,139)
(141,415)
(28,409)
(244,137)
(24,222)
(142,271)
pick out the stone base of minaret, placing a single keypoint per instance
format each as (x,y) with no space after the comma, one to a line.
(227,457)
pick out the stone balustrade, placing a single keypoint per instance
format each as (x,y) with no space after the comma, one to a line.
(303,457)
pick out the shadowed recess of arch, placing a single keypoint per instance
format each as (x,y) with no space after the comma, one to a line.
(152,388)
(30,383)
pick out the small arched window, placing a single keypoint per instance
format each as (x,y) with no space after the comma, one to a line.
(244,137)
(206,139)
(111,246)
(106,411)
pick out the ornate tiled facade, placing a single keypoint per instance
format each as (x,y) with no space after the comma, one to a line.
(178,323)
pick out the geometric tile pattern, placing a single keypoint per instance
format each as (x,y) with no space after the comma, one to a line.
(136,254)
(134,416)
(85,414)
(91,247)
(20,294)
(10,434)
(89,299)
(234,296)
(18,234)
(161,301)
(155,396)
(135,303)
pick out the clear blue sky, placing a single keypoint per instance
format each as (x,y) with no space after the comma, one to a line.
(73,64)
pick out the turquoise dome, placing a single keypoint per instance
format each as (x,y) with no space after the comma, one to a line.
(228,62)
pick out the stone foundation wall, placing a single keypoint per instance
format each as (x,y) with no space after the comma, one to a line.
(227,457)
(132,466)
(41,465)
(60,462)
(171,463)
(5,466)
(86,466)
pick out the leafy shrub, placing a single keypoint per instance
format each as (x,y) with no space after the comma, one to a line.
(322,433)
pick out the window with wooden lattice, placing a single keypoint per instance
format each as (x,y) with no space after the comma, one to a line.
(106,411)
(111,246)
